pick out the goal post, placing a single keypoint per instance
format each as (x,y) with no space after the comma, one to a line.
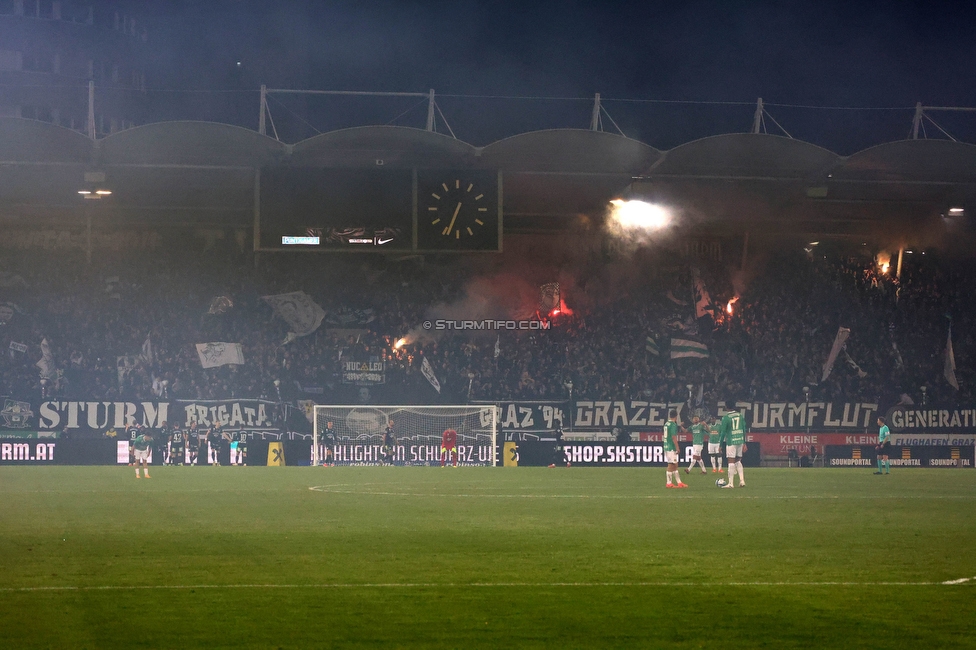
(356,435)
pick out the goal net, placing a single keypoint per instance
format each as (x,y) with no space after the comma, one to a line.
(354,435)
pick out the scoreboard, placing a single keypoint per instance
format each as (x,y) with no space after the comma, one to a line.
(379,210)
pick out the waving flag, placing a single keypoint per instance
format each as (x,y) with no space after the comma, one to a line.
(298,310)
(685,349)
(213,355)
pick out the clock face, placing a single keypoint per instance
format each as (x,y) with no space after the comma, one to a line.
(458,210)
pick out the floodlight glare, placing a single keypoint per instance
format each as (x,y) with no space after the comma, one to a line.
(956,210)
(639,214)
(103,192)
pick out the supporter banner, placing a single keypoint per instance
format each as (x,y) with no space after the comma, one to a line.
(930,456)
(371,372)
(926,418)
(602,415)
(88,419)
(251,415)
(532,417)
(97,417)
(761,416)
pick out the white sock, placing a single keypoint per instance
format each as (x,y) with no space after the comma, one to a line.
(712,458)
(738,467)
(720,463)
(669,478)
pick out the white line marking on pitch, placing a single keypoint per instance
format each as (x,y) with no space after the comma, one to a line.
(332,490)
(460,585)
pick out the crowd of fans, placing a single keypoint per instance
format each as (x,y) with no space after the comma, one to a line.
(786,312)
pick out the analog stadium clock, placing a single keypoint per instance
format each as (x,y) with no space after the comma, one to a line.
(457,210)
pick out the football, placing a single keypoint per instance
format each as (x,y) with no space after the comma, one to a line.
(720,482)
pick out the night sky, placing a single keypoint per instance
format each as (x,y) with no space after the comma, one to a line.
(843,54)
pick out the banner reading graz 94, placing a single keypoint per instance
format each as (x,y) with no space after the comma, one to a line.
(532,416)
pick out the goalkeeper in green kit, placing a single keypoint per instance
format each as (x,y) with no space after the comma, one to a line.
(733,432)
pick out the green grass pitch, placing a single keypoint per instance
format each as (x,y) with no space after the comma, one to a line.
(480,557)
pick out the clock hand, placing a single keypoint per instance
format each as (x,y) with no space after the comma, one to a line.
(450,227)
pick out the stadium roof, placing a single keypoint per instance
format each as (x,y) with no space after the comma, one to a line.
(200,172)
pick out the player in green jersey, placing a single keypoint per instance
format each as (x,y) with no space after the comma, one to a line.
(733,432)
(142,444)
(715,446)
(884,446)
(697,442)
(670,437)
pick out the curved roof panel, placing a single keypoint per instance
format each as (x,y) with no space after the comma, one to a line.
(749,155)
(570,151)
(382,145)
(31,141)
(912,160)
(189,143)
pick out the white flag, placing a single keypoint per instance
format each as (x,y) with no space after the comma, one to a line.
(298,310)
(125,365)
(46,364)
(498,348)
(146,356)
(839,341)
(950,362)
(703,301)
(428,372)
(220,354)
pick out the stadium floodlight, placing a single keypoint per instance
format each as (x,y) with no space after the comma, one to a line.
(359,431)
(639,215)
(957,211)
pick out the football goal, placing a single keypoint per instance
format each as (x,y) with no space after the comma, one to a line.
(357,435)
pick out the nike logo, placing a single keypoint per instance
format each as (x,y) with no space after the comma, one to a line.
(380,241)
